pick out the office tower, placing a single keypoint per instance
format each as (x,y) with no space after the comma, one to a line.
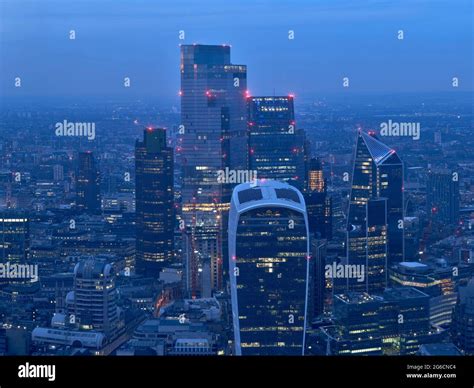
(88,184)
(395,323)
(462,329)
(367,247)
(318,275)
(213,139)
(276,146)
(154,193)
(375,219)
(93,303)
(14,236)
(318,203)
(443,196)
(268,268)
(437,282)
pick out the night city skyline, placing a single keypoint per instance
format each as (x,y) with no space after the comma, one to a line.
(258,179)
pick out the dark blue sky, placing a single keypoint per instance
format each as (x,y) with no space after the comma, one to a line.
(139,39)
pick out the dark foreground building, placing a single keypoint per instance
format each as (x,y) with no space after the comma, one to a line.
(155,218)
(88,198)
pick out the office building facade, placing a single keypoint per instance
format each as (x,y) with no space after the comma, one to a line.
(88,197)
(375,219)
(393,323)
(276,146)
(154,192)
(318,203)
(442,193)
(269,268)
(213,139)
(93,303)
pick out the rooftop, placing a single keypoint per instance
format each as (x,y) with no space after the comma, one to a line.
(378,150)
(267,192)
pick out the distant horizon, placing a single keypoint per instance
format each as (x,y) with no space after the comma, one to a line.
(310,95)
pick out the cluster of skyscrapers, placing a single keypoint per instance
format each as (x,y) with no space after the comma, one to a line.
(234,200)
(264,229)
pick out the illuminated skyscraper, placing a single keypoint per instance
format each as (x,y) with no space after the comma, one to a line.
(375,220)
(213,137)
(88,184)
(269,268)
(155,217)
(318,203)
(276,146)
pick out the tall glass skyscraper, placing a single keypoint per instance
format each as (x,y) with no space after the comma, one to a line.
(154,191)
(269,268)
(213,138)
(318,203)
(375,220)
(276,146)
(88,184)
